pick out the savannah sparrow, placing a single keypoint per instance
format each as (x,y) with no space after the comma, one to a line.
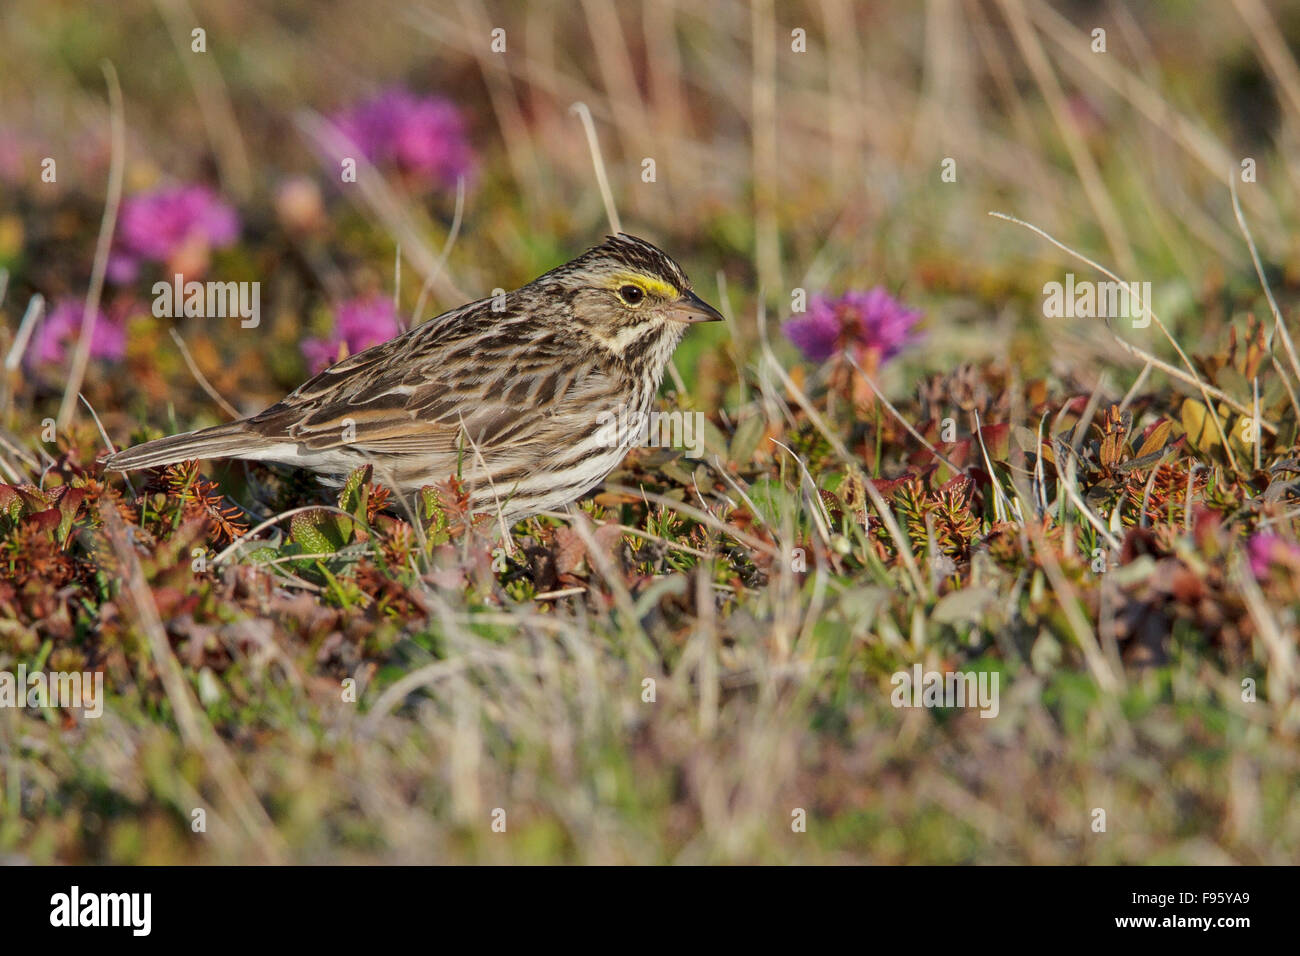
(531,398)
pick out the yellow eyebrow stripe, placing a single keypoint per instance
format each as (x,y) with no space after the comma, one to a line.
(653,286)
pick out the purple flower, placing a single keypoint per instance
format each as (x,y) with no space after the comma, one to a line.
(360,324)
(1266,549)
(61,329)
(13,156)
(861,320)
(423,136)
(175,225)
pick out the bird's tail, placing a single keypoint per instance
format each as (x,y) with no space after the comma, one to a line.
(235,440)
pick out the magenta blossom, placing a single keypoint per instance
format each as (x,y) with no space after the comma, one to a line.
(13,156)
(422,136)
(360,323)
(61,328)
(858,320)
(174,225)
(1266,549)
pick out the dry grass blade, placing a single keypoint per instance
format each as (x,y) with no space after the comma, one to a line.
(1045,77)
(598,163)
(261,835)
(393,212)
(116,171)
(457,217)
(202,379)
(35,309)
(767,240)
(695,514)
(1280,647)
(1198,142)
(1278,324)
(1190,376)
(224,136)
(880,397)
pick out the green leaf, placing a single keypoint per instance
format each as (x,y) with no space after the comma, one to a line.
(355,495)
(69,504)
(1156,440)
(320,532)
(1201,433)
(1025,439)
(11,502)
(745,441)
(433,513)
(967,604)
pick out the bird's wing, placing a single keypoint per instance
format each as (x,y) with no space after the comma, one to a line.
(504,388)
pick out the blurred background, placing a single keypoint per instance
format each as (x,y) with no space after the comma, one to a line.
(822,148)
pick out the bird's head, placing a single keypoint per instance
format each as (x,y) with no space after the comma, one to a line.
(630,296)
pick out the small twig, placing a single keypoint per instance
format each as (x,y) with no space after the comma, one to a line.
(201,378)
(103,433)
(1279,646)
(562,593)
(35,308)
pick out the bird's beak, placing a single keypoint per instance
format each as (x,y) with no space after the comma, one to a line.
(691,308)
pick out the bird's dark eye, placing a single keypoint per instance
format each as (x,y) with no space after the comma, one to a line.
(631,294)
